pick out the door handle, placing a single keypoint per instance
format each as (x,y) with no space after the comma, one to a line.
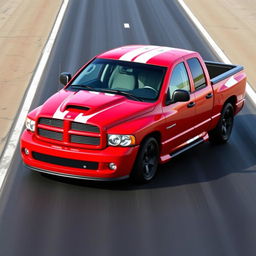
(191,104)
(209,95)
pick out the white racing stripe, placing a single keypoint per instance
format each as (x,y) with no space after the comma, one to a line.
(134,53)
(84,119)
(93,92)
(18,127)
(59,114)
(110,94)
(145,57)
(231,81)
(249,90)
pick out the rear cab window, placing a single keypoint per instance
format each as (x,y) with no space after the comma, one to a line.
(197,73)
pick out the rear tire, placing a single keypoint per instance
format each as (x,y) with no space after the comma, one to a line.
(146,163)
(221,133)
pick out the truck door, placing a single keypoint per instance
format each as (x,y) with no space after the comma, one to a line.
(179,125)
(203,96)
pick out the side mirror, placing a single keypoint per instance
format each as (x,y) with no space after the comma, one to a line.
(178,96)
(65,78)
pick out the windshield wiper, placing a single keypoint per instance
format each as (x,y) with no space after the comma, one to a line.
(87,87)
(80,86)
(127,94)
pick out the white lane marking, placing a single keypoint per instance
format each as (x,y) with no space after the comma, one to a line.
(251,93)
(81,118)
(249,90)
(14,136)
(145,57)
(231,81)
(126,25)
(133,53)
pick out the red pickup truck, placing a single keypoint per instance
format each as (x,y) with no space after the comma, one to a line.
(129,109)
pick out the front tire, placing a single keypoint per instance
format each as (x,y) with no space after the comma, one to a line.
(146,163)
(221,133)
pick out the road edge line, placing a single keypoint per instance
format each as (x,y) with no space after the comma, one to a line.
(13,140)
(249,90)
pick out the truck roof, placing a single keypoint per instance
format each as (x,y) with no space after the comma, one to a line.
(150,54)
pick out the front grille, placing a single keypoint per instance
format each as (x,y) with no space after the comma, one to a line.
(51,122)
(85,140)
(50,134)
(84,127)
(65,161)
(69,133)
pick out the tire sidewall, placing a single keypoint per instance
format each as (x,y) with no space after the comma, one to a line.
(227,107)
(137,174)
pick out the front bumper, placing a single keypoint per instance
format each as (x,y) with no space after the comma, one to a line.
(123,157)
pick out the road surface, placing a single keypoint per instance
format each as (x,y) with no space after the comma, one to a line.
(201,203)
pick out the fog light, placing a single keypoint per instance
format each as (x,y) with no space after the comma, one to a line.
(26,151)
(112,166)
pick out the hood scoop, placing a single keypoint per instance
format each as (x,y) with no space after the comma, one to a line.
(76,108)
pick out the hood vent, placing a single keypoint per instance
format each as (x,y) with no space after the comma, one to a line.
(75,107)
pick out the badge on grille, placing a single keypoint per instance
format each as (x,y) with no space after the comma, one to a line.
(84,166)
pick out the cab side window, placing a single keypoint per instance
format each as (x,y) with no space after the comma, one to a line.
(179,79)
(197,73)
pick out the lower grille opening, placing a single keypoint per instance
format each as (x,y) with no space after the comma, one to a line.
(65,161)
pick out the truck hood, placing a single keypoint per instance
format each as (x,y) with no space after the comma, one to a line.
(102,109)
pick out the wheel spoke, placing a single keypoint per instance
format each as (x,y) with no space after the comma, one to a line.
(147,169)
(229,122)
(150,150)
(152,161)
(224,130)
(149,160)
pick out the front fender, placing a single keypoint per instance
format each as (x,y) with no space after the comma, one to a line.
(140,127)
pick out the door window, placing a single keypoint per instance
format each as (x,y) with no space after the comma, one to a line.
(197,73)
(179,79)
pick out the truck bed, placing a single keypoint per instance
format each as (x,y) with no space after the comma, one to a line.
(220,71)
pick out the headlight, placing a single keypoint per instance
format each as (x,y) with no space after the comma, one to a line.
(30,124)
(121,140)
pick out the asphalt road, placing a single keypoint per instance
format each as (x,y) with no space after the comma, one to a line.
(201,203)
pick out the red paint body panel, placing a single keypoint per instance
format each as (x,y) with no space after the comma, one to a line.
(123,157)
(173,124)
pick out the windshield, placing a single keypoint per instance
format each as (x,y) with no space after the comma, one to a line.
(136,81)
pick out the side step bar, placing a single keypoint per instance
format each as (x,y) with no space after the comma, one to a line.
(187,147)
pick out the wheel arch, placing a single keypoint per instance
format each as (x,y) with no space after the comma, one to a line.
(232,100)
(154,134)
(138,172)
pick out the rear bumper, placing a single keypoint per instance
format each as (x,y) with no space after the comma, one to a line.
(239,106)
(123,157)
